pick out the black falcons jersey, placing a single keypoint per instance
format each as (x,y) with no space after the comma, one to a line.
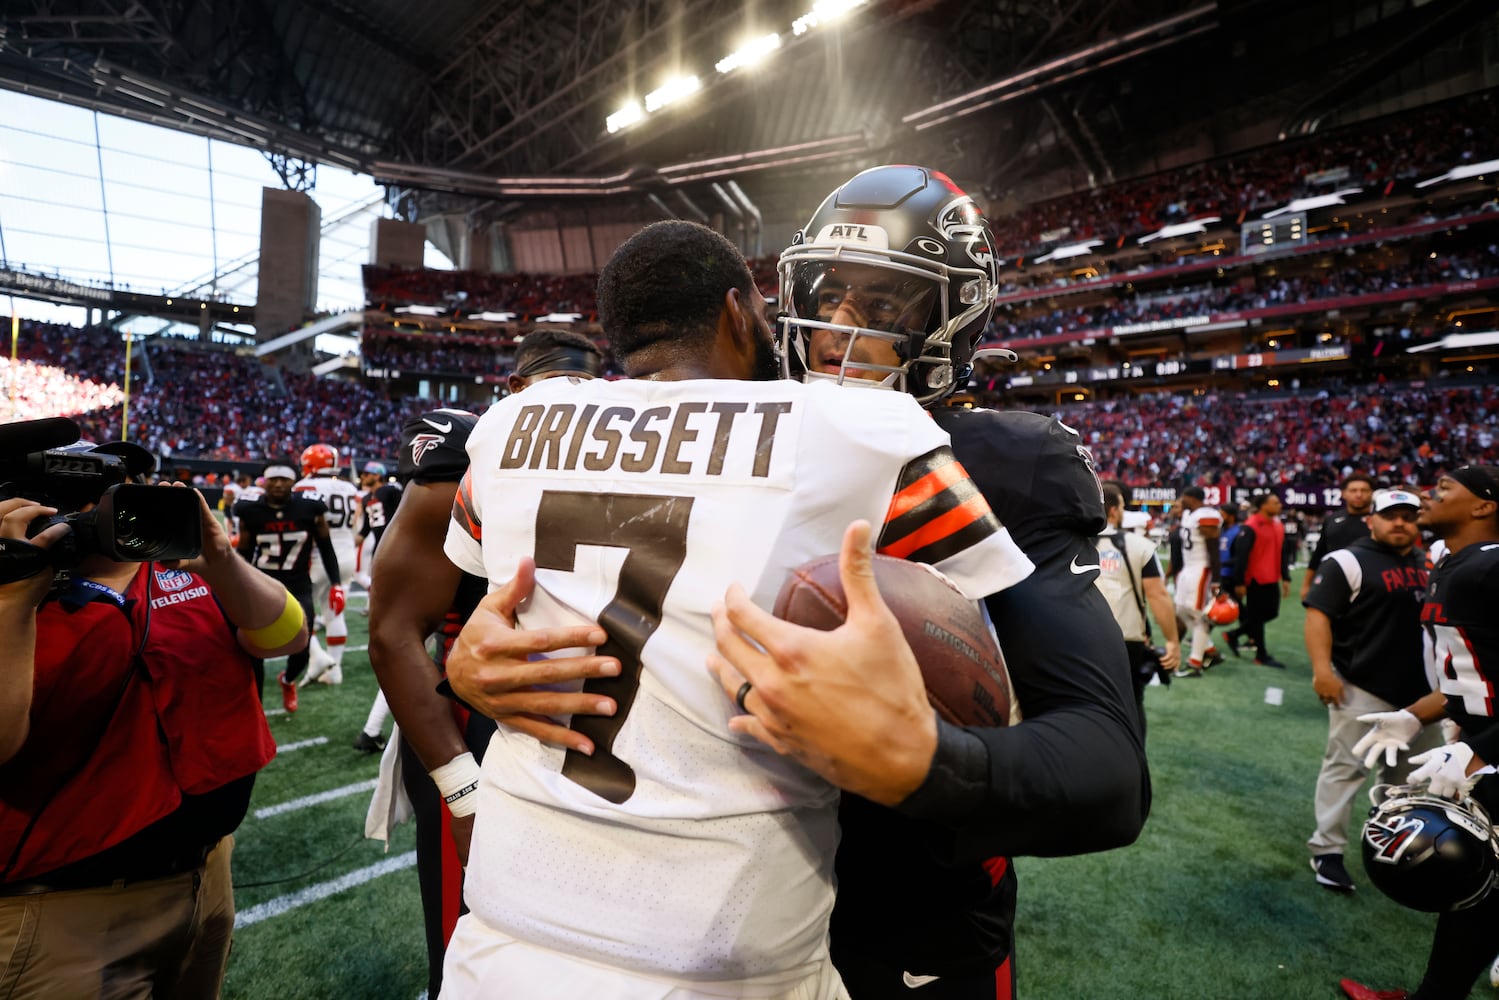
(280,540)
(379,507)
(1034,470)
(1339,531)
(1459,615)
(932,899)
(434,447)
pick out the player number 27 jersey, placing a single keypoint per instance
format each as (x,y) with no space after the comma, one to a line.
(641,503)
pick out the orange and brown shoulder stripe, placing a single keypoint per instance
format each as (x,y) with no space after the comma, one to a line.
(937,511)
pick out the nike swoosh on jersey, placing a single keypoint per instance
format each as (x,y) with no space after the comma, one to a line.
(446,428)
(917,981)
(1080,570)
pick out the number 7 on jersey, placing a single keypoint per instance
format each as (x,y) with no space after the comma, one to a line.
(653,531)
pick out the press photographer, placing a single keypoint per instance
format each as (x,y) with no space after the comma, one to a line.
(130,720)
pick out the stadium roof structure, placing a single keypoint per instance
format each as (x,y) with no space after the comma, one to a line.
(504,103)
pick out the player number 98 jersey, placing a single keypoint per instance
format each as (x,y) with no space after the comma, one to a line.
(341,497)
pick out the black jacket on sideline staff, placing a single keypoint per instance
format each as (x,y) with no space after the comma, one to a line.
(1373,596)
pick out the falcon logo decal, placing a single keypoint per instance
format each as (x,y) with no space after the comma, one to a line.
(423,443)
(1391,836)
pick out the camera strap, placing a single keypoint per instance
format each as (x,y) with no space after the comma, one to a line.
(20,560)
(1116,539)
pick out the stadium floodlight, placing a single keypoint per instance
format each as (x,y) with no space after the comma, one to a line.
(1073,250)
(1180,229)
(1463,173)
(671,92)
(749,53)
(824,12)
(1307,204)
(624,117)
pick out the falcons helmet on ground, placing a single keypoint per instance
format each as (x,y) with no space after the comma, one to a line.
(932,255)
(1427,852)
(319,460)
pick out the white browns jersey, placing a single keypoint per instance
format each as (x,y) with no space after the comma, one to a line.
(341,497)
(1196,548)
(680,849)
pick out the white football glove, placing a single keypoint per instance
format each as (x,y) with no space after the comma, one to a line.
(1392,733)
(1445,767)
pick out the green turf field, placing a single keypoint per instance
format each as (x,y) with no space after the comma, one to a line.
(1214,902)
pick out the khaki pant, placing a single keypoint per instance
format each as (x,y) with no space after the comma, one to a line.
(166,939)
(1343,773)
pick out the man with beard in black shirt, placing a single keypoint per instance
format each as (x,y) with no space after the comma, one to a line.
(1342,529)
(1363,634)
(1459,615)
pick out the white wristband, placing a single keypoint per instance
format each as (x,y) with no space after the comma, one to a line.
(457,781)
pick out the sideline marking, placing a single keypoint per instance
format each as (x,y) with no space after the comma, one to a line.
(317,799)
(313,893)
(347,649)
(316,741)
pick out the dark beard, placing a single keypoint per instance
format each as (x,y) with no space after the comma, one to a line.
(767,361)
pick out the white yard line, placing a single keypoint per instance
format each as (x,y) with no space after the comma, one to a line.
(271,712)
(347,649)
(313,893)
(314,800)
(316,741)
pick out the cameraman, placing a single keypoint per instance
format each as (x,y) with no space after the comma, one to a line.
(1130,579)
(130,735)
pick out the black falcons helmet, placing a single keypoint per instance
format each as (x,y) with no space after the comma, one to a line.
(911,249)
(1427,852)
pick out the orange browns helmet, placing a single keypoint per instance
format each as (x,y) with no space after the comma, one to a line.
(319,460)
(1224,610)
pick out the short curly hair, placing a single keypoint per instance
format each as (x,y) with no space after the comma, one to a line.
(665,285)
(543,339)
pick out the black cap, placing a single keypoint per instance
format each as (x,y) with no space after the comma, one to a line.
(1195,492)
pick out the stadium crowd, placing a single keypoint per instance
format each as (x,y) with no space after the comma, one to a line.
(1411,434)
(33,391)
(1374,156)
(1260,294)
(197,402)
(528,296)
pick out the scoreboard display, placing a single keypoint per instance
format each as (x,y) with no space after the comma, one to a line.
(1280,233)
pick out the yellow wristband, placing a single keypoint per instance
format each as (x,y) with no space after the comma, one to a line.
(281,631)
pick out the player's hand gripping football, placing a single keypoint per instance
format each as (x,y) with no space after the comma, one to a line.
(850,704)
(490,667)
(1392,732)
(338,599)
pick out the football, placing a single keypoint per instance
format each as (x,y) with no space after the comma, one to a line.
(962,665)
